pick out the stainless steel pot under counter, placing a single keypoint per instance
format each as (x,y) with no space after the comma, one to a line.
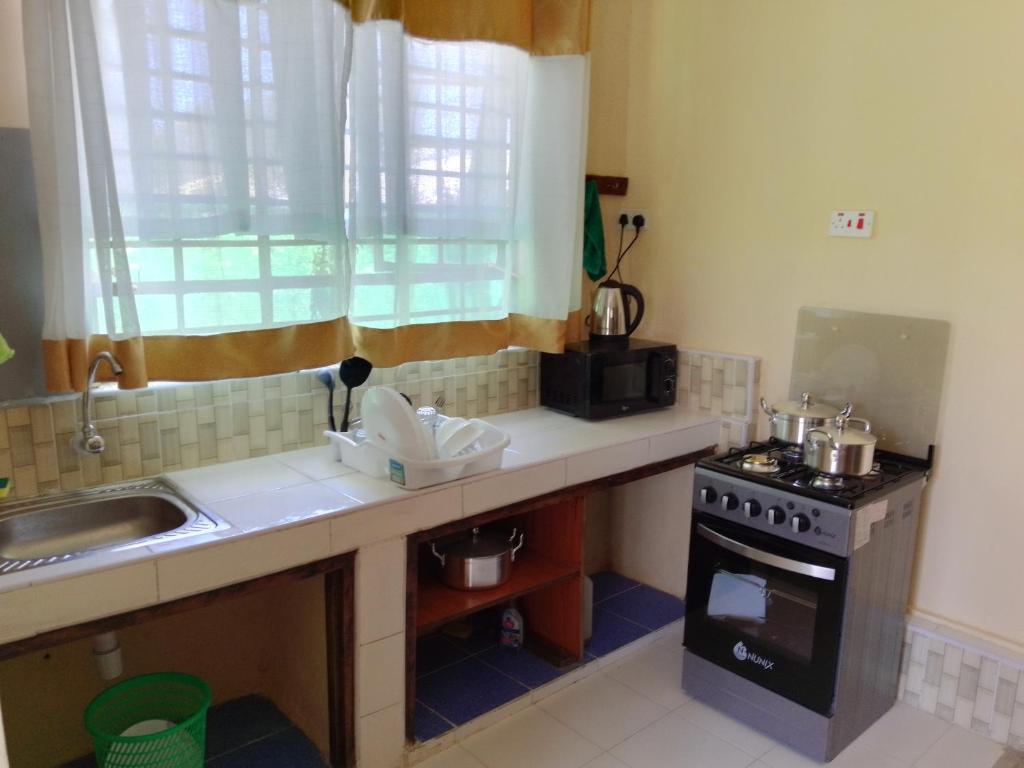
(481,560)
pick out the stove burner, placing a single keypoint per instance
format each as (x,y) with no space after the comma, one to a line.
(781,465)
(826,482)
(793,453)
(761,463)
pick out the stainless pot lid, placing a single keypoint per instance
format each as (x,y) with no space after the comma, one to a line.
(486,544)
(805,407)
(843,434)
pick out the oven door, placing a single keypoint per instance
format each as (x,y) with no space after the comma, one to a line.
(765,608)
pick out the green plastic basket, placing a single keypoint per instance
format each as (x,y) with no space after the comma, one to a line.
(178,698)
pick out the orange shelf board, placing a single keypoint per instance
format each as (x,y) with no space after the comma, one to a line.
(438,604)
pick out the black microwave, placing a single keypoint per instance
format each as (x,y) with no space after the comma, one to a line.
(599,380)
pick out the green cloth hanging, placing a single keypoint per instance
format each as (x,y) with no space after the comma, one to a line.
(6,353)
(593,234)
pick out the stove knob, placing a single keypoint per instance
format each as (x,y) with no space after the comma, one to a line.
(799,523)
(730,502)
(708,495)
(776,515)
(751,508)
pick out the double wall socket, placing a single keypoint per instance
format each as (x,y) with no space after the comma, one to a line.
(851,223)
(631,212)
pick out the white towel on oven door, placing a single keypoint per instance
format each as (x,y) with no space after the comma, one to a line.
(737,597)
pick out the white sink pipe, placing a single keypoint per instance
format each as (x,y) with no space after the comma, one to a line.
(106,649)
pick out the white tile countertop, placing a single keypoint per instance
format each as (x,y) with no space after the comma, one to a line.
(294,508)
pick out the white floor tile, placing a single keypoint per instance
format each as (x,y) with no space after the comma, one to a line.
(959,748)
(603,710)
(656,672)
(724,727)
(903,732)
(532,738)
(854,756)
(674,742)
(606,761)
(455,757)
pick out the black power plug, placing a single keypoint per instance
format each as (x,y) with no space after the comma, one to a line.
(623,219)
(639,221)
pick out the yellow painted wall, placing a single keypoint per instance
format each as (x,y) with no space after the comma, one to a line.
(13,99)
(748,122)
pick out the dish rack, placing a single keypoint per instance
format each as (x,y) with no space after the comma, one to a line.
(364,456)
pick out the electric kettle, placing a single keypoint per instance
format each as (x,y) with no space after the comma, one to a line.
(612,318)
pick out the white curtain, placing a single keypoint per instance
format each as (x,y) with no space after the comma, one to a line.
(207,166)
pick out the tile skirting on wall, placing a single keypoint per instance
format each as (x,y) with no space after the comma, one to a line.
(964,680)
(170,427)
(725,385)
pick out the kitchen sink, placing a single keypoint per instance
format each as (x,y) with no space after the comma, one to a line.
(44,531)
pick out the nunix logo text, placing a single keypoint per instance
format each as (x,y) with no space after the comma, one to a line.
(740,652)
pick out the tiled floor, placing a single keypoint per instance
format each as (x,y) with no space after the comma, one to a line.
(460,680)
(633,714)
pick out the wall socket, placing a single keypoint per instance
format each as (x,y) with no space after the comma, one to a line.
(851,223)
(631,212)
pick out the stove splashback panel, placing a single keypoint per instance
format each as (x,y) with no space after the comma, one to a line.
(890,367)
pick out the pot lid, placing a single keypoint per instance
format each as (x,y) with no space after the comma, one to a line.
(805,407)
(843,434)
(480,544)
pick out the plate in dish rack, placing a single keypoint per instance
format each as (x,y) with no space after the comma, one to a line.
(392,425)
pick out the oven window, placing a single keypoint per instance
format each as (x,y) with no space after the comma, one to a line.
(779,614)
(624,382)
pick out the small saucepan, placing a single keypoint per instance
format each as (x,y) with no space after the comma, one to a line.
(841,450)
(481,560)
(790,421)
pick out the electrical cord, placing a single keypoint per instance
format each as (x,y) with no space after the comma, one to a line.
(622,254)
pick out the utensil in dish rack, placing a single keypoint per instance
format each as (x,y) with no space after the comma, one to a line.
(456,435)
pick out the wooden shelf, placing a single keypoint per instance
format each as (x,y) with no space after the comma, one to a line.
(439,604)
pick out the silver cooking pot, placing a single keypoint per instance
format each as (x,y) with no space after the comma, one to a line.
(790,421)
(479,561)
(841,450)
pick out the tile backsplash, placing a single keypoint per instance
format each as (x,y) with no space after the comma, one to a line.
(964,682)
(724,384)
(171,427)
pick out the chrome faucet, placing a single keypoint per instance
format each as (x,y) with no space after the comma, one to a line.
(91,441)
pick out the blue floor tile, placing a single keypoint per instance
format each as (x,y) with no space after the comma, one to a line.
(467,690)
(522,666)
(434,652)
(429,724)
(608,584)
(611,632)
(646,606)
(238,722)
(286,749)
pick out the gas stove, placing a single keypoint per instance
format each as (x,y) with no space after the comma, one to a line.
(794,578)
(779,465)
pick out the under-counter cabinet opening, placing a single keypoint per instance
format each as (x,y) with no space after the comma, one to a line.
(276,651)
(583,582)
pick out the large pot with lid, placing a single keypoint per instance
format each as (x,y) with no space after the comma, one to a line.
(790,421)
(842,449)
(481,560)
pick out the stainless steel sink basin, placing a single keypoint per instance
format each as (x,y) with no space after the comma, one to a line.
(44,531)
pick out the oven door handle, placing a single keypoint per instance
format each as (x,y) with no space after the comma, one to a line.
(767,558)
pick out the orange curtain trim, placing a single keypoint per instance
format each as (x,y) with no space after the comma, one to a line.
(541,27)
(280,350)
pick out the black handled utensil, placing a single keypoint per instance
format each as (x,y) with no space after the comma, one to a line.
(327,379)
(353,372)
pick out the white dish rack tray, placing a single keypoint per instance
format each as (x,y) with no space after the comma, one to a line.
(364,456)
